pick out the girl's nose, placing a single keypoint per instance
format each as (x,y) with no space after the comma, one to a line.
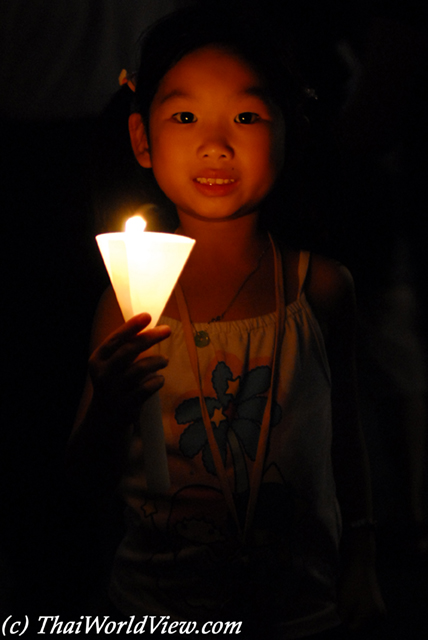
(216,147)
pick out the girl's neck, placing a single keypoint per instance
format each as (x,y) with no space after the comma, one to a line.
(230,272)
(227,241)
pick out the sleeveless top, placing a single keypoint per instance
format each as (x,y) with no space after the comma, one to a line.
(182,555)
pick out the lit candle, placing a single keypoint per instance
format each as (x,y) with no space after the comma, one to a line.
(143,268)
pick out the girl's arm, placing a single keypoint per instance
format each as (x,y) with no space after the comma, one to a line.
(118,382)
(331,294)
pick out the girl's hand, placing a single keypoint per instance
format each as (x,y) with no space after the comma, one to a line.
(122,378)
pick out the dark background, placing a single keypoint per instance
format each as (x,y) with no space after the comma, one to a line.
(59,65)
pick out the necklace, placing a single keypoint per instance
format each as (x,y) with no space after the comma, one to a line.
(202,338)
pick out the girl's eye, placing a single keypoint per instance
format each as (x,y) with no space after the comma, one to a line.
(184,117)
(247,117)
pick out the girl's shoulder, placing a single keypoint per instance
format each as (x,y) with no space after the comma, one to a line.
(330,292)
(327,281)
(328,286)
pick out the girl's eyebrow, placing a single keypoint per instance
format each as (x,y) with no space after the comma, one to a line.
(176,93)
(260,92)
(257,91)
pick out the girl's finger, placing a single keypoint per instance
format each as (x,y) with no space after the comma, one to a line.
(144,368)
(124,333)
(123,357)
(144,391)
(127,344)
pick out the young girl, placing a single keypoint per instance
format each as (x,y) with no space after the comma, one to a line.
(253,361)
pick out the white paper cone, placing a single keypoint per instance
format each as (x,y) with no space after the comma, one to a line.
(143,269)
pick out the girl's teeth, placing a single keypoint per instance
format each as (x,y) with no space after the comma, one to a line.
(214,181)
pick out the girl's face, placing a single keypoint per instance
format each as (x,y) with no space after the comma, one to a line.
(216,141)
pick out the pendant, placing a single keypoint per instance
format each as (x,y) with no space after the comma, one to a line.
(202,339)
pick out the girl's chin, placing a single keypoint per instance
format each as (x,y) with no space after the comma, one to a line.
(216,216)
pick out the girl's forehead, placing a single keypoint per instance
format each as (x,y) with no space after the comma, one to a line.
(209,67)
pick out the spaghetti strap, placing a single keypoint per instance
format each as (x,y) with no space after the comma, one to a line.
(302,269)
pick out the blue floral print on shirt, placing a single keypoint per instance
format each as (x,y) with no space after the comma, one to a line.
(236,415)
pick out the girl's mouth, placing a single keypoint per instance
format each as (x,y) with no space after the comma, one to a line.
(212,181)
(211,187)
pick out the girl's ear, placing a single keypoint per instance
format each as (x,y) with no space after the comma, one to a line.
(139,140)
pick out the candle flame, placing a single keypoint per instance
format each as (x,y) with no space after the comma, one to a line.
(136,224)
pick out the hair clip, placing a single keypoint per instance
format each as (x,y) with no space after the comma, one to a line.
(128,78)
